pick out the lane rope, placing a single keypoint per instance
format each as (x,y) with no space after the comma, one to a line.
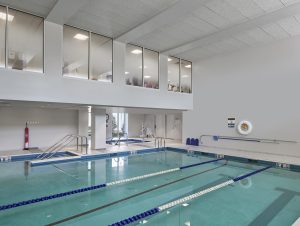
(132,196)
(185,199)
(99,186)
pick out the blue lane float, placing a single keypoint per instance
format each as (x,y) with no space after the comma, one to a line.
(166,206)
(100,186)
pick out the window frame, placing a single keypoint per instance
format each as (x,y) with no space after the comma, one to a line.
(89,54)
(6,42)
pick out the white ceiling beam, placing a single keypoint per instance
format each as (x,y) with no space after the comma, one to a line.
(236,29)
(171,15)
(63,10)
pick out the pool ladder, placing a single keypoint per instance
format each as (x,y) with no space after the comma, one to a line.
(160,142)
(63,143)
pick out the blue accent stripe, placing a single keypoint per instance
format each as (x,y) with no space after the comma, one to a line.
(136,217)
(201,163)
(250,174)
(45,198)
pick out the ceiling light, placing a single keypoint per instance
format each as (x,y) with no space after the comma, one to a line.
(169,59)
(188,66)
(126,72)
(147,76)
(9,17)
(136,51)
(81,37)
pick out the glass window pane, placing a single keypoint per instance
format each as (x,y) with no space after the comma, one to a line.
(151,59)
(101,58)
(76,47)
(173,74)
(25,37)
(186,76)
(133,65)
(2,35)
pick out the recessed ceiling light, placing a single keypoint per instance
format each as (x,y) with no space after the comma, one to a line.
(9,17)
(147,76)
(81,37)
(169,59)
(136,51)
(126,72)
(188,66)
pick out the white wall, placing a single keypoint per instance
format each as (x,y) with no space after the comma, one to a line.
(52,125)
(259,84)
(135,122)
(53,87)
(83,122)
(98,139)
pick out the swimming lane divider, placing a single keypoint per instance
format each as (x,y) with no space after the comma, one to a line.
(166,206)
(100,186)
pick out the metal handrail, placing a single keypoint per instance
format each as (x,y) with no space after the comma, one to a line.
(160,141)
(258,140)
(62,143)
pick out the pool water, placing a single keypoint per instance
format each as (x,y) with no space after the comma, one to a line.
(271,197)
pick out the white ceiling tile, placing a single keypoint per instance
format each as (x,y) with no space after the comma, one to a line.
(225,10)
(290,25)
(245,38)
(260,35)
(269,5)
(211,17)
(247,8)
(289,2)
(275,31)
(202,26)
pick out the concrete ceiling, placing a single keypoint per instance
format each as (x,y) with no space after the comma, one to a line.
(190,29)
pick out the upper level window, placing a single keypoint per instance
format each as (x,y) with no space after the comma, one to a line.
(186,76)
(25,41)
(76,55)
(134,65)
(173,74)
(101,58)
(87,55)
(151,69)
(2,35)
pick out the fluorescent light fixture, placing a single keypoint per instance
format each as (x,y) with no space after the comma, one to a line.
(9,17)
(136,51)
(188,66)
(147,76)
(81,37)
(169,59)
(126,72)
(185,204)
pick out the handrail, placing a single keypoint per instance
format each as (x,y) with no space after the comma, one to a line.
(160,141)
(258,140)
(62,143)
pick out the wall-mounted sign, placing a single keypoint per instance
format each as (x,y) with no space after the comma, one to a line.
(231,122)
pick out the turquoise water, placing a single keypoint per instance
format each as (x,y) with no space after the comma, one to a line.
(269,198)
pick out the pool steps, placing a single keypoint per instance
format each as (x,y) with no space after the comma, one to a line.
(100,186)
(185,199)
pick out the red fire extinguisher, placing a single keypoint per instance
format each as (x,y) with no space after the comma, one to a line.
(26,143)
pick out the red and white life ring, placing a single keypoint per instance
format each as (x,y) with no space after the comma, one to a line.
(244,127)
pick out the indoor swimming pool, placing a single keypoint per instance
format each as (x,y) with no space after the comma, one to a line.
(269,197)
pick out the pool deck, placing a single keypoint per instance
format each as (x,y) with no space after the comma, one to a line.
(176,144)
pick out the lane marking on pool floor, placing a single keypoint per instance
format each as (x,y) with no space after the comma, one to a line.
(169,205)
(100,186)
(132,196)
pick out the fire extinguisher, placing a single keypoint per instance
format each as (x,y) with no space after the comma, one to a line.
(26,143)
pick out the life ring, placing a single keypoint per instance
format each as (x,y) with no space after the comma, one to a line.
(245,127)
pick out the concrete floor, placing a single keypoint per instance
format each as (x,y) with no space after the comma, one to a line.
(177,144)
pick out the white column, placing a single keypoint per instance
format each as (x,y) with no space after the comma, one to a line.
(98,129)
(83,122)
